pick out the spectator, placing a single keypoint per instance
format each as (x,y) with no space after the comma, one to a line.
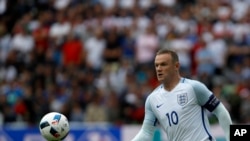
(95,46)
(204,60)
(22,41)
(183,48)
(146,45)
(73,51)
(96,111)
(59,29)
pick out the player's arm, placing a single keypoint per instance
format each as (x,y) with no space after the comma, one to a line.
(145,134)
(217,108)
(224,119)
(148,127)
(212,104)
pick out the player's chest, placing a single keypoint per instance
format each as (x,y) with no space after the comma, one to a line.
(171,104)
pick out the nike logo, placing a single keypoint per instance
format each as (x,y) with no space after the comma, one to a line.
(158,106)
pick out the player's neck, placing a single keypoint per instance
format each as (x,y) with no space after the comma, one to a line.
(169,86)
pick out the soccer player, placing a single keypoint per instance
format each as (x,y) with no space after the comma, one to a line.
(179,105)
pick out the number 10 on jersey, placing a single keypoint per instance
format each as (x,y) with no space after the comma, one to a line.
(172,118)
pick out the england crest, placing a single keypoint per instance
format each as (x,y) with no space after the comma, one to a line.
(182,99)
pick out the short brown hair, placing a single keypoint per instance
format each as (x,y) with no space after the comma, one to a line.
(168,51)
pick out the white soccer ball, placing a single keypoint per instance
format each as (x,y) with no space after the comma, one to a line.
(54,126)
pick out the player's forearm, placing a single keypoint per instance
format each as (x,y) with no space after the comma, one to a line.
(224,119)
(141,136)
(145,134)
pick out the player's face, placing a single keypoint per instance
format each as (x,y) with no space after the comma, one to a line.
(165,68)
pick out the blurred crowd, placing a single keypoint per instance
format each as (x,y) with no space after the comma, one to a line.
(92,60)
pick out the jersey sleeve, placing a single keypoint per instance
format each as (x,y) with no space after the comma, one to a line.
(204,96)
(224,119)
(148,126)
(149,114)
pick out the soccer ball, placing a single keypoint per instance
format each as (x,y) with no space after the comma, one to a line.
(54,126)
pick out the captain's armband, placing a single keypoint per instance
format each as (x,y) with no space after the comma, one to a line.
(212,103)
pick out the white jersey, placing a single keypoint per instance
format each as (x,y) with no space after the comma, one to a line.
(181,111)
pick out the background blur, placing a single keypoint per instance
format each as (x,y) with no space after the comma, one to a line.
(92,60)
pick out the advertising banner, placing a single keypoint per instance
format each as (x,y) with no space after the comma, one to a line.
(85,133)
(91,132)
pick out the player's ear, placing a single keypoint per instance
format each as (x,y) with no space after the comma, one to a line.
(177,65)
